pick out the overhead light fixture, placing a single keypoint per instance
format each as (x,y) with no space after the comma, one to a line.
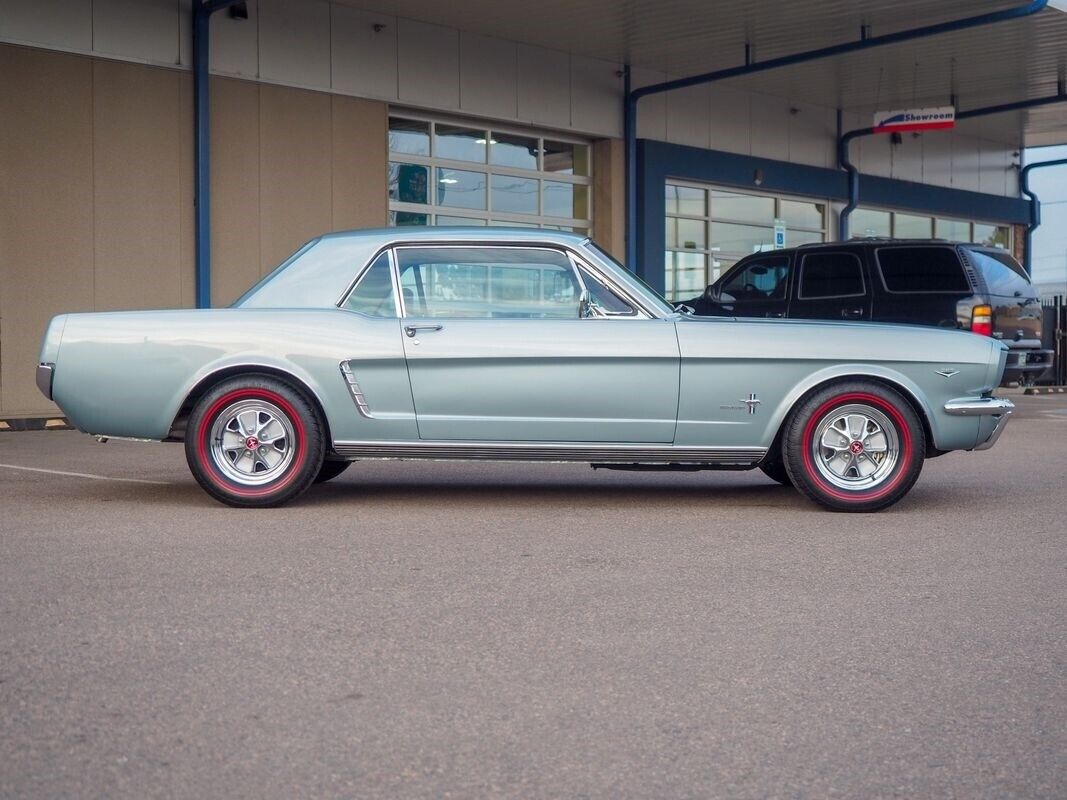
(449,181)
(483,141)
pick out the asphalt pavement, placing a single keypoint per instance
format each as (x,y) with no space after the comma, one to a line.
(432,630)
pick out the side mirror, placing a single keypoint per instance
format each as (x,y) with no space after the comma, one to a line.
(712,293)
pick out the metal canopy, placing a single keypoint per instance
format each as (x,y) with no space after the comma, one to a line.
(677,38)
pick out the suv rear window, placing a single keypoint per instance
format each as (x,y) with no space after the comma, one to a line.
(824,275)
(1002,274)
(909,270)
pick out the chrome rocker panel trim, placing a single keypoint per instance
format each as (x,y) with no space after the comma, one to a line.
(553,451)
(981,407)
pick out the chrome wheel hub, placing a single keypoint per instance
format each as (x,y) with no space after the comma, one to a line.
(252,442)
(855,447)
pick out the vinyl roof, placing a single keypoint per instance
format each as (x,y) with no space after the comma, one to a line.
(983,66)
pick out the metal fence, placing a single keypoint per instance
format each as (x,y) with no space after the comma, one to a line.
(1054,335)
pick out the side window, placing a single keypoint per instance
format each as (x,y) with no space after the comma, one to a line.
(923,270)
(491,282)
(605,298)
(759,280)
(373,294)
(827,275)
(1002,274)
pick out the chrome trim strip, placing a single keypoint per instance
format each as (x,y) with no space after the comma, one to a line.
(354,390)
(978,406)
(45,374)
(552,451)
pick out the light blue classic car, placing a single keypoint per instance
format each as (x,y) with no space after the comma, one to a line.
(530,345)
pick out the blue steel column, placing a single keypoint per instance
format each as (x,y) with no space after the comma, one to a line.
(629,135)
(853,173)
(1035,205)
(202,11)
(865,42)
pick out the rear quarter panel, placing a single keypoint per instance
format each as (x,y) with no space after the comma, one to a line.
(723,360)
(127,374)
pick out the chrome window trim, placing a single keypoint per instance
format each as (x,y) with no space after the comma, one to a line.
(340,304)
(579,264)
(569,253)
(400,242)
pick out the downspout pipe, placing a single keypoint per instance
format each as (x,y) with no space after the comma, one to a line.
(202,11)
(865,42)
(846,164)
(1035,205)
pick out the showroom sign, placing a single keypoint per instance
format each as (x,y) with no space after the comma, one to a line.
(915,119)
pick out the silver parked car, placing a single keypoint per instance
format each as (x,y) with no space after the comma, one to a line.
(531,345)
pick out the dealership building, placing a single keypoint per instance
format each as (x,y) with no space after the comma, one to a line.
(680,135)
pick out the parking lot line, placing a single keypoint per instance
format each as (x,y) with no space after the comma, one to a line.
(82,475)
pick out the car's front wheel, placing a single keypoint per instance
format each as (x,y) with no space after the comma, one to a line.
(855,446)
(254,441)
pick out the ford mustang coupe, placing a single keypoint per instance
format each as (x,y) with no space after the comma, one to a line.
(529,345)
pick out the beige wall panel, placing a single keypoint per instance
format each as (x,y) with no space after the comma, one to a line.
(235,239)
(187,210)
(46,218)
(609,196)
(359,163)
(136,186)
(295,197)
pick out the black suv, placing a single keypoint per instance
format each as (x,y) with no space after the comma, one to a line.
(916,282)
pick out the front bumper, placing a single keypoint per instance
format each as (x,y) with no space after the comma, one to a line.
(995,412)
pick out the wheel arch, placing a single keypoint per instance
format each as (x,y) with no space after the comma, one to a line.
(207,382)
(818,383)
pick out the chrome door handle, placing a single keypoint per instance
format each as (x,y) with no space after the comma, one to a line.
(411,330)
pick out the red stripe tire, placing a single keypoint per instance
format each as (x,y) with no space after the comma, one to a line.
(254,441)
(854,446)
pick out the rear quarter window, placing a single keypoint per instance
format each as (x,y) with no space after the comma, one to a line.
(1001,274)
(922,270)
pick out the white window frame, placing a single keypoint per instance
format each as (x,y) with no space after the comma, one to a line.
(488,215)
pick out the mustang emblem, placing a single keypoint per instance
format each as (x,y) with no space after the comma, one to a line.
(751,401)
(947,372)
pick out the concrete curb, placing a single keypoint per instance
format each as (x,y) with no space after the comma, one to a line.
(1045,390)
(36,424)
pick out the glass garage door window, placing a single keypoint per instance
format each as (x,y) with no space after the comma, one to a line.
(709,228)
(454,173)
(902,225)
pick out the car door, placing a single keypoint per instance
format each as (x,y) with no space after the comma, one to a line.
(831,285)
(496,350)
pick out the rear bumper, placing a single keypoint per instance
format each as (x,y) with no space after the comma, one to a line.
(1028,361)
(45,372)
(995,412)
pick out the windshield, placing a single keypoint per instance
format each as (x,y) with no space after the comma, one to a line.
(663,305)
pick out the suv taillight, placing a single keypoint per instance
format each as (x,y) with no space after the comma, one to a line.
(982,320)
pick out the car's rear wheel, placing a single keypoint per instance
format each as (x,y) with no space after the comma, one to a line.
(330,470)
(254,441)
(855,446)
